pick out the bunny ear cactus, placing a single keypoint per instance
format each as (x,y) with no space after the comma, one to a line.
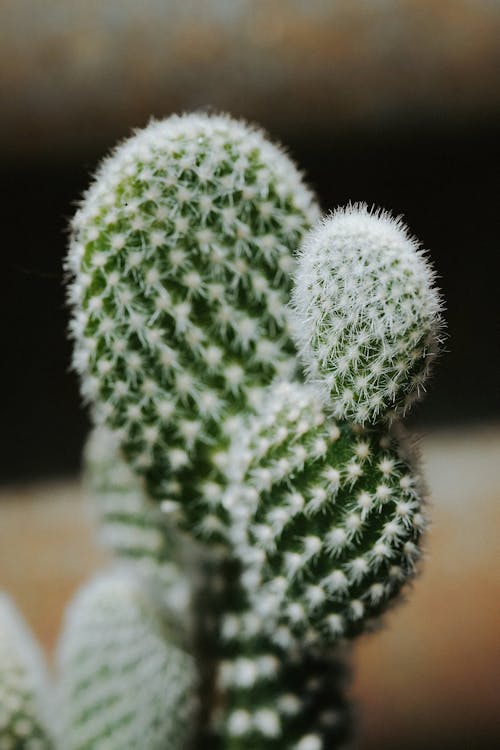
(124,681)
(25,709)
(181,264)
(181,256)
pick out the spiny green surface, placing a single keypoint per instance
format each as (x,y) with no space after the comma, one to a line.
(124,682)
(276,699)
(133,527)
(181,261)
(181,256)
(367,314)
(326,518)
(24,687)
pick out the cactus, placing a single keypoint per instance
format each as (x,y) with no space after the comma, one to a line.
(326,519)
(181,260)
(368,320)
(277,698)
(133,527)
(124,681)
(25,692)
(307,502)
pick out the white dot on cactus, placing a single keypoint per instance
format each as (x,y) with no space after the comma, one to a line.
(95,304)
(404,509)
(295,502)
(143,460)
(396,572)
(335,624)
(336,581)
(134,361)
(150,433)
(405,482)
(178,457)
(312,545)
(118,241)
(165,409)
(333,433)
(169,507)
(381,550)
(354,470)
(317,499)
(383,493)
(319,448)
(411,551)
(309,742)
(393,530)
(244,673)
(376,592)
(362,450)
(296,612)
(353,522)
(251,579)
(134,412)
(419,521)
(356,609)
(234,375)
(149,387)
(267,722)
(332,476)
(289,704)
(268,665)
(357,568)
(239,723)
(293,563)
(386,466)
(336,539)
(230,626)
(314,596)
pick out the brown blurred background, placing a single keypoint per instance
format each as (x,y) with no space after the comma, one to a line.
(395,102)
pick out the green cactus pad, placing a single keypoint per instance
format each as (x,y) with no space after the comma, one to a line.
(326,518)
(181,257)
(124,682)
(367,314)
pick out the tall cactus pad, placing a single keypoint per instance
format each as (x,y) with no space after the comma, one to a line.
(367,314)
(326,519)
(181,256)
(123,681)
(24,689)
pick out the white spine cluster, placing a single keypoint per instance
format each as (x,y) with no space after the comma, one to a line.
(367,315)
(124,683)
(25,693)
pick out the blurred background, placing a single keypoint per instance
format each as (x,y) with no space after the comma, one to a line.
(394,102)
